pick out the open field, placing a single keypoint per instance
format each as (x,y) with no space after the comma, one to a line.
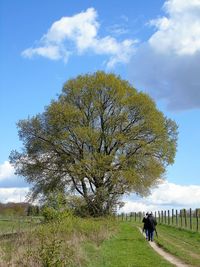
(76,242)
(79,242)
(16,224)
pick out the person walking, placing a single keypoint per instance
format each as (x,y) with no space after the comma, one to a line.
(151,226)
(144,220)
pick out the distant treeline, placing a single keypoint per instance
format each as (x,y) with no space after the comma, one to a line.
(19,209)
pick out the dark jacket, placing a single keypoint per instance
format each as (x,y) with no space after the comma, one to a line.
(145,222)
(151,223)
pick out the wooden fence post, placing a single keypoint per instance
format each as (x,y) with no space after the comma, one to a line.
(197,218)
(170,218)
(185,217)
(168,215)
(190,219)
(181,218)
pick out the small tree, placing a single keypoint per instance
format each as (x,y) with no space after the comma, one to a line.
(29,210)
(101,138)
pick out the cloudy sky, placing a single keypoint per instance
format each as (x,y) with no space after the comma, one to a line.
(153,44)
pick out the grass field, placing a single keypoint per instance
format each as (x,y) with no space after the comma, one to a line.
(126,249)
(180,242)
(184,244)
(16,224)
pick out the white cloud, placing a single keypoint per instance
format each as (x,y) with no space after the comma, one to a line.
(133,206)
(50,51)
(118,29)
(178,33)
(165,196)
(8,177)
(77,35)
(6,170)
(168,63)
(174,194)
(13,194)
(178,6)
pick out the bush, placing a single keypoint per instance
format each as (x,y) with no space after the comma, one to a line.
(51,214)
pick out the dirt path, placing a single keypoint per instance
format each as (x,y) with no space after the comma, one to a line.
(172,259)
(173,241)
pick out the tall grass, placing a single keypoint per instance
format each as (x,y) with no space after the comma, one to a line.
(56,243)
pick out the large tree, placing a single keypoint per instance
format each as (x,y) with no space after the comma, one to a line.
(101,138)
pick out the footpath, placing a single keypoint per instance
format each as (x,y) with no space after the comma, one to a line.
(167,256)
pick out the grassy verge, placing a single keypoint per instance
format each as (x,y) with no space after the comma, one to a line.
(182,243)
(125,249)
(76,242)
(55,244)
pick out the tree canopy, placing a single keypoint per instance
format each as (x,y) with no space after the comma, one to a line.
(101,138)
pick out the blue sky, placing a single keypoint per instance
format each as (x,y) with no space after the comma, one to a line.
(153,44)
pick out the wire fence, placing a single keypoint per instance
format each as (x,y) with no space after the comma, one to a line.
(184,218)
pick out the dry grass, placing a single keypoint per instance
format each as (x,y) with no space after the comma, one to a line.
(55,244)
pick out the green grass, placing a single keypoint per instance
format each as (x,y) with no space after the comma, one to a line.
(127,248)
(184,244)
(16,224)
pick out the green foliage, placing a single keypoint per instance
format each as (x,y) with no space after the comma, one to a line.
(78,206)
(101,138)
(53,251)
(55,207)
(33,210)
(55,199)
(51,214)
